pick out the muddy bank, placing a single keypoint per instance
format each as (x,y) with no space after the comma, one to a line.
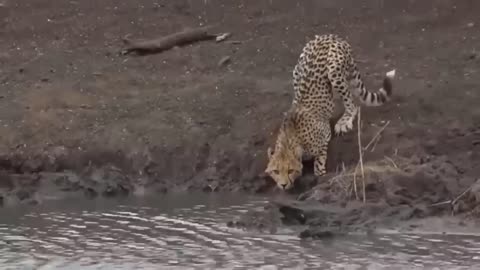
(428,194)
(58,172)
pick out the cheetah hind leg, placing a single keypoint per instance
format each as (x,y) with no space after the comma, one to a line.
(345,123)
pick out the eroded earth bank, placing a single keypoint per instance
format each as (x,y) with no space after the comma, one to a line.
(77,117)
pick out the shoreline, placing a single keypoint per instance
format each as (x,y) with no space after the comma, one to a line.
(78,117)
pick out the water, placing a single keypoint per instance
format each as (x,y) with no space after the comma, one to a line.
(189,232)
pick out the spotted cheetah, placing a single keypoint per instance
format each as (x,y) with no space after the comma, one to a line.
(325,66)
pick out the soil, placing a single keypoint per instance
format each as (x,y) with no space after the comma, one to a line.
(78,117)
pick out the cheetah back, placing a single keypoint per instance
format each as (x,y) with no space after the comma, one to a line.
(311,83)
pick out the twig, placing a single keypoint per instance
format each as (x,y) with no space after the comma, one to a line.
(360,141)
(342,173)
(441,203)
(165,43)
(461,195)
(333,179)
(360,152)
(355,181)
(391,160)
(377,134)
(375,144)
(454,201)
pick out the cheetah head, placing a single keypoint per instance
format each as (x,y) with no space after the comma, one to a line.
(284,167)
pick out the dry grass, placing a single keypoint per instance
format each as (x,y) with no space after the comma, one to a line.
(373,172)
(346,180)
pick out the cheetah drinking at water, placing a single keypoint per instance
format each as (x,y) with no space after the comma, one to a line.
(325,66)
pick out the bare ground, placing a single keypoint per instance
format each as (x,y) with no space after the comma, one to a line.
(76,115)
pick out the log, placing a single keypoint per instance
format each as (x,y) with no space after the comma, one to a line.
(157,45)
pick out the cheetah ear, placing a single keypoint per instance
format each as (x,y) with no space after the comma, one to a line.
(270,152)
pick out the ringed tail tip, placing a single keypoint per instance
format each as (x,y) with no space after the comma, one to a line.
(390,74)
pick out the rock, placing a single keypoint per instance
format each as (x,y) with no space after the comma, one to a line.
(6,183)
(317,234)
(108,181)
(269,219)
(23,195)
(292,215)
(67,181)
(32,165)
(90,193)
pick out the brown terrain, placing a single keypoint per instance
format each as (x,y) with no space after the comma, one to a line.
(78,116)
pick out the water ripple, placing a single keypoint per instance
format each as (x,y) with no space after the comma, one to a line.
(133,236)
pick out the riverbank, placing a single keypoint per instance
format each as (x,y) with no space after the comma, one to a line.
(80,118)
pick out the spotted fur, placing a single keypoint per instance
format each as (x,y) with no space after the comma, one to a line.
(325,66)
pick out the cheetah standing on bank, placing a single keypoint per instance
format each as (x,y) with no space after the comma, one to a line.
(325,65)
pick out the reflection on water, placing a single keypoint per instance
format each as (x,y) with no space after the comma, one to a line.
(189,232)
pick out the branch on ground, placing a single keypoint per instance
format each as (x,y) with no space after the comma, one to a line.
(182,38)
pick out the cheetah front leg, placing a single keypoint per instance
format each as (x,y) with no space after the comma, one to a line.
(321,151)
(320,162)
(340,85)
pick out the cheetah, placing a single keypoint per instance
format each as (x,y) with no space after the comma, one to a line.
(325,66)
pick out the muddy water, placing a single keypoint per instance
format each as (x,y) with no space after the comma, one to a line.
(189,232)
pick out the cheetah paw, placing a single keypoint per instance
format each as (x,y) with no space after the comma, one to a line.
(343,127)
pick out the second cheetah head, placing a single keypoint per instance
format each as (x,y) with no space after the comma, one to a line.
(284,167)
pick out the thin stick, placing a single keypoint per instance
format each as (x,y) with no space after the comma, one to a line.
(441,203)
(377,134)
(340,175)
(355,181)
(391,160)
(454,201)
(360,152)
(461,195)
(337,170)
(375,144)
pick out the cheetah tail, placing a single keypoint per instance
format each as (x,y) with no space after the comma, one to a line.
(383,95)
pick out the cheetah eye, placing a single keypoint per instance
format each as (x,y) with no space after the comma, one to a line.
(291,171)
(275,172)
